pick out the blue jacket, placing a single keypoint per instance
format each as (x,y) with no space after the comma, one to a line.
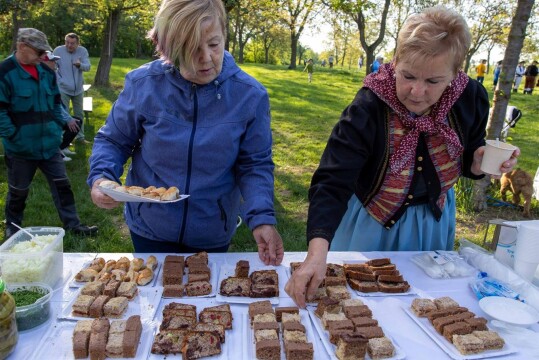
(212,141)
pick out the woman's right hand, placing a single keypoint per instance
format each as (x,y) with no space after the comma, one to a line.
(101,199)
(305,280)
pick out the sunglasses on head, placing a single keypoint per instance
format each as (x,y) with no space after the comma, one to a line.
(39,52)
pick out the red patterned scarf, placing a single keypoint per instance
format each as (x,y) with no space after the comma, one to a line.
(383,84)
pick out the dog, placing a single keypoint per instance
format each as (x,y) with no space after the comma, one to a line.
(518,182)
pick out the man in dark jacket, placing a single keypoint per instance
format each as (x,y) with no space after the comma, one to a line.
(31,129)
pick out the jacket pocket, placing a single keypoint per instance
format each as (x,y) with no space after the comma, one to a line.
(22,100)
(224,216)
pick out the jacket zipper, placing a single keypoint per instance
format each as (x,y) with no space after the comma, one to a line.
(224,218)
(189,160)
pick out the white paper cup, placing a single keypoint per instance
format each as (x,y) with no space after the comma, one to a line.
(526,269)
(527,246)
(496,153)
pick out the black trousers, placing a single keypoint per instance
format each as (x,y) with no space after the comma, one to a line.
(20,173)
(69,135)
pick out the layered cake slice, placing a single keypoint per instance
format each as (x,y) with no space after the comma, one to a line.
(199,344)
(235,286)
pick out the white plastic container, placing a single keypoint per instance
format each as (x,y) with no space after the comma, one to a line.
(27,259)
(32,315)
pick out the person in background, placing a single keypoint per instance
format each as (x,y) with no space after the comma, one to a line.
(519,73)
(74,60)
(360,62)
(194,120)
(376,64)
(72,127)
(496,73)
(481,70)
(31,124)
(330,60)
(309,68)
(385,180)
(531,74)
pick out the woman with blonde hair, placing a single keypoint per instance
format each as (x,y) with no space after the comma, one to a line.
(192,119)
(385,180)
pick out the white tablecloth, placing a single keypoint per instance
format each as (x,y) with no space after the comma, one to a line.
(413,341)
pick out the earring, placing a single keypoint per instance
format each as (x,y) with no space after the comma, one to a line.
(449,84)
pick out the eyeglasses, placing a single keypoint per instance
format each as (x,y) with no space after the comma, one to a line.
(39,52)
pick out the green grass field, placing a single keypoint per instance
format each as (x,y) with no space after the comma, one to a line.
(303,116)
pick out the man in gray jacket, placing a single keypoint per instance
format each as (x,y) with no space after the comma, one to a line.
(74,60)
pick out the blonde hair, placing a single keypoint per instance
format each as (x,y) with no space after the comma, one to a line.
(436,31)
(176,31)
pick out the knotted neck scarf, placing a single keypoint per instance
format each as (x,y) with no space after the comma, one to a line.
(433,123)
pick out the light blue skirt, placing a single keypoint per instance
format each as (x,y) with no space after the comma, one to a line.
(417,229)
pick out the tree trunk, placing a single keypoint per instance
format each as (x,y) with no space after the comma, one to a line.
(107,48)
(294,49)
(502,94)
(16,26)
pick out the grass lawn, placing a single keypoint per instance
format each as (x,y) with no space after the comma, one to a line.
(303,116)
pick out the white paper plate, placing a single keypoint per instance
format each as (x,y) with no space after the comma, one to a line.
(77,284)
(56,343)
(448,347)
(144,304)
(229,270)
(125,197)
(213,281)
(234,345)
(309,333)
(509,310)
(330,348)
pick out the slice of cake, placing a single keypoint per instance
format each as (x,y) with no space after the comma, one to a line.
(458,328)
(335,281)
(468,344)
(216,317)
(201,257)
(216,328)
(117,326)
(343,324)
(198,288)
(490,339)
(361,276)
(259,307)
(328,317)
(127,289)
(338,292)
(265,334)
(131,339)
(335,270)
(111,287)
(177,322)
(81,306)
(263,318)
(96,309)
(364,321)
(357,311)
(197,277)
(363,286)
(351,347)
(242,269)
(94,288)
(115,307)
(81,338)
(199,268)
(294,336)
(285,309)
(477,324)
(370,332)
(167,342)
(379,262)
(263,291)
(173,291)
(235,286)
(327,304)
(445,302)
(390,278)
(440,323)
(421,307)
(394,288)
(290,317)
(268,350)
(446,312)
(265,277)
(113,348)
(299,351)
(199,344)
(293,326)
(380,348)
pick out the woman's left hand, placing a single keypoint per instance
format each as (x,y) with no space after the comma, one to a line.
(506,167)
(270,244)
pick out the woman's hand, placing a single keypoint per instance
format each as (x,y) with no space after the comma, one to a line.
(506,167)
(305,280)
(101,199)
(270,244)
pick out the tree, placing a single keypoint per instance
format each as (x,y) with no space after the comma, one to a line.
(296,14)
(361,12)
(20,10)
(502,94)
(113,10)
